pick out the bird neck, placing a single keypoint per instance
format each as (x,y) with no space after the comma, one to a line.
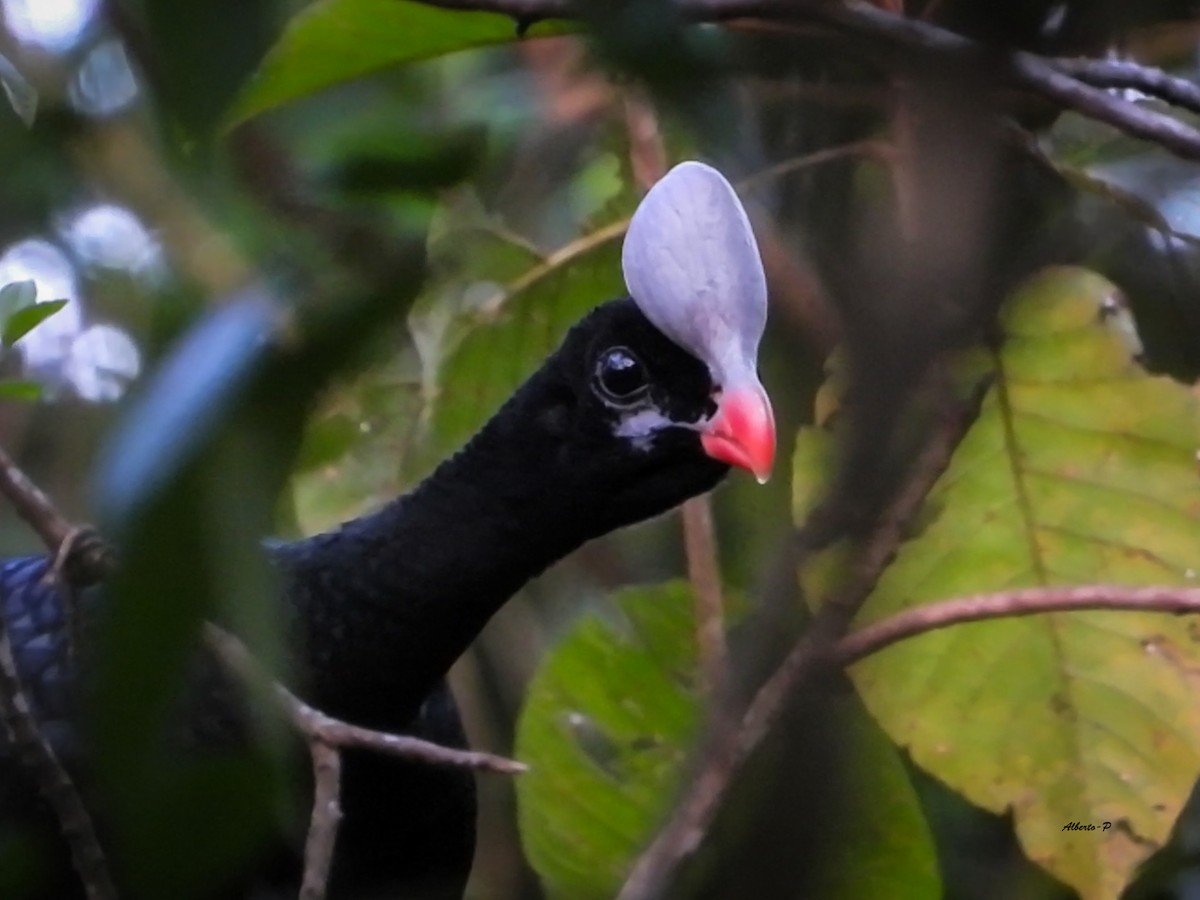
(389,601)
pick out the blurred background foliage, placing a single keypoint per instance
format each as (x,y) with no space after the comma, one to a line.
(415,204)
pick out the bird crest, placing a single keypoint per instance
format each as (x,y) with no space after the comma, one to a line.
(692,266)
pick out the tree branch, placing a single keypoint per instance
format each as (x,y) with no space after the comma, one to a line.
(731,747)
(700,543)
(34,750)
(648,159)
(922,43)
(1126,75)
(78,551)
(317,726)
(54,784)
(328,736)
(872,638)
(325,735)
(325,820)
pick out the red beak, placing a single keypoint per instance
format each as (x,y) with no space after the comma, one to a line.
(742,433)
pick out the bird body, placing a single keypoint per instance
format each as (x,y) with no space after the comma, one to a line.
(608,431)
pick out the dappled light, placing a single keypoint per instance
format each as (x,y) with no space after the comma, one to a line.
(104,83)
(113,237)
(94,363)
(54,25)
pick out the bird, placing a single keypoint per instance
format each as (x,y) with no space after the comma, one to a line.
(649,400)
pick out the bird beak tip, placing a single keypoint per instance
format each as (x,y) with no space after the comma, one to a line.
(742,433)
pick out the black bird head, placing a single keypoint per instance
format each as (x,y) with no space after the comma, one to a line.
(693,267)
(623,407)
(650,398)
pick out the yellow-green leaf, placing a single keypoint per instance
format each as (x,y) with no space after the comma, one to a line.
(1081,468)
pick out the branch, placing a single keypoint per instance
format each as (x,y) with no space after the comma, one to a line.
(325,820)
(730,748)
(32,747)
(77,550)
(921,43)
(1125,75)
(54,784)
(872,638)
(326,737)
(317,726)
(700,543)
(648,159)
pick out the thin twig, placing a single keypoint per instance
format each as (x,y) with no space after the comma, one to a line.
(318,726)
(34,506)
(79,553)
(918,42)
(838,612)
(325,821)
(56,574)
(1126,75)
(55,785)
(700,543)
(326,737)
(648,158)
(730,748)
(878,150)
(872,638)
(34,750)
(647,152)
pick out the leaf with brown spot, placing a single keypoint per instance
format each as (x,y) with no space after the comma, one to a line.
(1083,468)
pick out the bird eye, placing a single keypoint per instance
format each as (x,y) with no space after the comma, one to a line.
(620,376)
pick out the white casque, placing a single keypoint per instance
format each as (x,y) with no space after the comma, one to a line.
(692,266)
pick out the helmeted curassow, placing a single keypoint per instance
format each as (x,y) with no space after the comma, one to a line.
(646,403)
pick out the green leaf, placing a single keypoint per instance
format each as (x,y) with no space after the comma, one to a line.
(1081,468)
(334,41)
(20,93)
(20,390)
(515,326)
(608,726)
(16,295)
(494,309)
(326,441)
(354,452)
(24,320)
